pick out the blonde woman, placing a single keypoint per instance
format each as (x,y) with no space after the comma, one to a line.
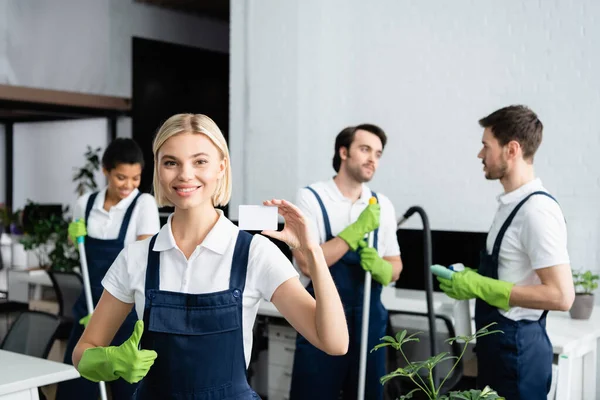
(197,284)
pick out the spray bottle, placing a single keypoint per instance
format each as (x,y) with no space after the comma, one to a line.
(461,310)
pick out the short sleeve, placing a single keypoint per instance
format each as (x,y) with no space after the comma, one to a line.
(544,235)
(308,204)
(388,229)
(80,205)
(148,220)
(271,267)
(117,279)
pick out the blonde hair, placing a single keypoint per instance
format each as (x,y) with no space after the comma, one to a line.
(197,124)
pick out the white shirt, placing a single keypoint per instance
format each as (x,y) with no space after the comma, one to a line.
(536,238)
(343,212)
(207,270)
(106,225)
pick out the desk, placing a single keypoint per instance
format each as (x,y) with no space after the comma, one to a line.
(21,375)
(19,281)
(573,341)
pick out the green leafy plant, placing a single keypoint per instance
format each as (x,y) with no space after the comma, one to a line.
(48,239)
(84,176)
(587,281)
(426,384)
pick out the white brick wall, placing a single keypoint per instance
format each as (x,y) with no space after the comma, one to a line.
(426,72)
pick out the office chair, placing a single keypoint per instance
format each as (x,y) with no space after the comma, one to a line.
(68,287)
(32,334)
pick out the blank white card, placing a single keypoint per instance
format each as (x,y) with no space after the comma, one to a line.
(257,218)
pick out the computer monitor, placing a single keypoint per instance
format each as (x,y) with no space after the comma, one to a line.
(448,247)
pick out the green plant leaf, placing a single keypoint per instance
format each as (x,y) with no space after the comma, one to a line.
(400,336)
(388,339)
(409,395)
(380,345)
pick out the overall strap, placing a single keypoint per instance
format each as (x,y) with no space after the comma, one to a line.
(328,235)
(504,228)
(127,218)
(239,264)
(153,267)
(89,205)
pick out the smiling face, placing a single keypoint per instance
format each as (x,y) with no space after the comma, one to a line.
(122,180)
(360,161)
(189,169)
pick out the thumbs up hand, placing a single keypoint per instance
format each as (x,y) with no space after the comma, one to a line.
(125,361)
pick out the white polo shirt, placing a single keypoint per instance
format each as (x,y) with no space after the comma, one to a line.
(106,225)
(208,270)
(343,212)
(536,238)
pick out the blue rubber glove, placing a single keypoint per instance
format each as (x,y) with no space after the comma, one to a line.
(468,284)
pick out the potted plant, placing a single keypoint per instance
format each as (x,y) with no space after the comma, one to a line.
(48,239)
(18,255)
(84,176)
(585,284)
(427,386)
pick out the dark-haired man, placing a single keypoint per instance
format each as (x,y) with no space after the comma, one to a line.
(341,215)
(524,271)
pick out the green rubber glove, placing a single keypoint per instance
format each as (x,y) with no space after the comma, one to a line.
(367,222)
(468,284)
(380,269)
(125,361)
(76,229)
(85,320)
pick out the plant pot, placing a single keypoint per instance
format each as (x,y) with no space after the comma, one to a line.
(582,306)
(19,258)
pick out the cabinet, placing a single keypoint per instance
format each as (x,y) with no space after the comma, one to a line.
(282,345)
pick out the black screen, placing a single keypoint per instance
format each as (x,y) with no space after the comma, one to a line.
(448,247)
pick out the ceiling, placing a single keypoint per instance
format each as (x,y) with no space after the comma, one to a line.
(218,9)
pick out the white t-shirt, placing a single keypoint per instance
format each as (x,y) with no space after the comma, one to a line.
(106,225)
(207,270)
(536,238)
(342,212)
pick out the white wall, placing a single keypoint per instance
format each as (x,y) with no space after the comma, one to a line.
(85,45)
(124,127)
(425,72)
(46,156)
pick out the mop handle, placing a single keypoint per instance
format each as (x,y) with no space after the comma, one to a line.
(86,277)
(364,337)
(87,290)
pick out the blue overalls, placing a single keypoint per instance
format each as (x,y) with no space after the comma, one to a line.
(518,363)
(100,255)
(317,375)
(198,337)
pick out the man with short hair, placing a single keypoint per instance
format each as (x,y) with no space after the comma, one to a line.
(524,270)
(342,217)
